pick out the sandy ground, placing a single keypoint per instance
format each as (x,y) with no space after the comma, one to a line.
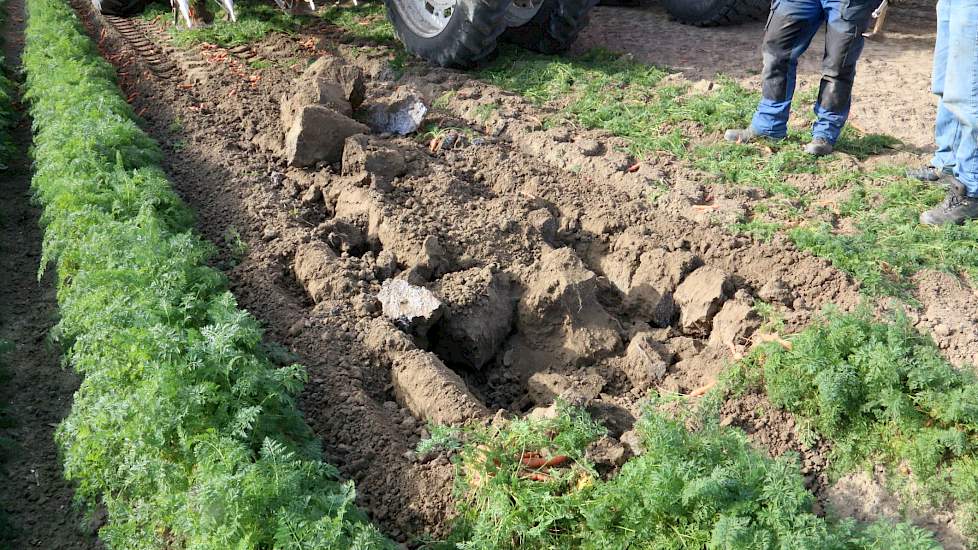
(892,93)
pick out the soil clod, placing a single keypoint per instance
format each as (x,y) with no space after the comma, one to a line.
(701,296)
(317,134)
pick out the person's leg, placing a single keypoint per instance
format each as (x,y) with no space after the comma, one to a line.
(947,128)
(961,88)
(847,21)
(791,26)
(961,101)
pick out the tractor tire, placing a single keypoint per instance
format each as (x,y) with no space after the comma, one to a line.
(717,13)
(462,39)
(554,27)
(120,8)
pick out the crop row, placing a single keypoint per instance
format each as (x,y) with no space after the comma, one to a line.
(689,489)
(182,427)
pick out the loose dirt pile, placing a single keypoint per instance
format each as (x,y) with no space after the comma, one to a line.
(488,265)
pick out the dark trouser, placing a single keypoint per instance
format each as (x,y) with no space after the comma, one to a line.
(790,29)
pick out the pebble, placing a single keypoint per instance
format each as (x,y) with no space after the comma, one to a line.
(590,147)
(269,234)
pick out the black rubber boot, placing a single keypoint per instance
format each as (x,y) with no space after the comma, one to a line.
(928,173)
(819,147)
(957,208)
(745,135)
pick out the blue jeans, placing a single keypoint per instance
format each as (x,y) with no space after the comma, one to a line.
(956,84)
(790,29)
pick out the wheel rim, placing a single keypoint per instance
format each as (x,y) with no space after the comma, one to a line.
(520,12)
(427,18)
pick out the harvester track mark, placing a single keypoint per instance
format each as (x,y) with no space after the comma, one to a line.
(134,33)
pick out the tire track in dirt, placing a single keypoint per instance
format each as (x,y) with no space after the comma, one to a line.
(38,392)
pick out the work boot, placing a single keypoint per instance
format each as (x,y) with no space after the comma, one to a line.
(746,135)
(928,173)
(819,147)
(957,207)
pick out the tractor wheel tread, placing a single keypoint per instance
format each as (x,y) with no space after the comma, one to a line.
(472,39)
(554,28)
(718,12)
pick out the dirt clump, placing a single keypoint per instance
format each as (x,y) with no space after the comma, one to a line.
(317,134)
(646,361)
(312,88)
(545,388)
(314,269)
(372,157)
(701,296)
(647,276)
(432,391)
(316,115)
(735,323)
(607,454)
(560,320)
(479,312)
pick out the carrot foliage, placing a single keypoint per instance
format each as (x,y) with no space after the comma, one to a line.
(182,427)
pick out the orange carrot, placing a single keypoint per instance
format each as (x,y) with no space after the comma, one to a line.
(557,460)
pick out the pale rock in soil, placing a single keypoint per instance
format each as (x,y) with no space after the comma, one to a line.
(314,269)
(382,163)
(317,135)
(545,388)
(734,324)
(413,308)
(479,311)
(400,114)
(632,441)
(559,317)
(646,361)
(701,296)
(432,391)
(543,413)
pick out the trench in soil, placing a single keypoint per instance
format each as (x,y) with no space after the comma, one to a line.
(36,507)
(565,244)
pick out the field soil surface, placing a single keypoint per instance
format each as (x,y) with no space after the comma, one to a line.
(556,272)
